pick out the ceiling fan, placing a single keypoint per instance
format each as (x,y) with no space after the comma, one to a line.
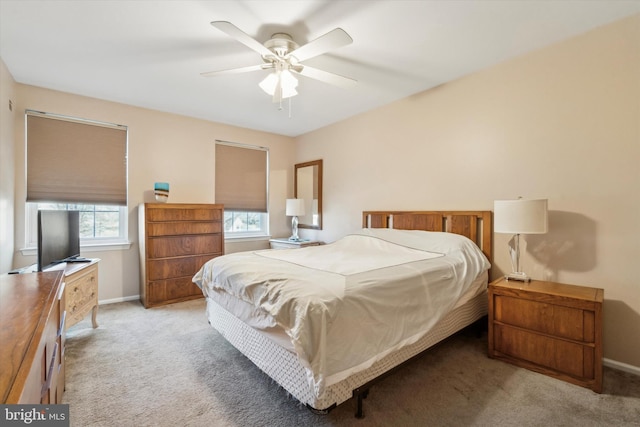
(284,56)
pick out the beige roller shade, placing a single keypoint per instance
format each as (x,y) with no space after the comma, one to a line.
(75,161)
(241,177)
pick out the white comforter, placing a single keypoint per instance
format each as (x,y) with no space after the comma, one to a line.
(347,304)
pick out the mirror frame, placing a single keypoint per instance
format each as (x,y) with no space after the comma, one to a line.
(318,185)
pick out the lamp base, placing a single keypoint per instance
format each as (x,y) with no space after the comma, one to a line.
(294,230)
(518,276)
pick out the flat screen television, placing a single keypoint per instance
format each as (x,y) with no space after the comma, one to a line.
(58,237)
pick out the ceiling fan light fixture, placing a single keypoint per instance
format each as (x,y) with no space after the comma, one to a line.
(282,55)
(280,79)
(269,83)
(289,84)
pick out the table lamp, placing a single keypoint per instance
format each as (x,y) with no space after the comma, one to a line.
(518,217)
(295,208)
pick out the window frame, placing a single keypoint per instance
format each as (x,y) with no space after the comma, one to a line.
(249,234)
(115,243)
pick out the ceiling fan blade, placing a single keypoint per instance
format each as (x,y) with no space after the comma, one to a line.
(332,40)
(327,77)
(242,37)
(237,70)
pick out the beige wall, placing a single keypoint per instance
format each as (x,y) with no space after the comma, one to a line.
(7,171)
(561,123)
(162,147)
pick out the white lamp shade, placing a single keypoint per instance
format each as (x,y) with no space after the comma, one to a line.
(295,207)
(269,83)
(520,216)
(280,79)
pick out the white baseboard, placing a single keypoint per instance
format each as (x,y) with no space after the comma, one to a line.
(115,300)
(621,366)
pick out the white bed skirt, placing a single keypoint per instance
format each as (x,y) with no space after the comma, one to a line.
(283,366)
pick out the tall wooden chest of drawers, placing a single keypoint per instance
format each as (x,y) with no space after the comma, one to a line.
(175,241)
(548,327)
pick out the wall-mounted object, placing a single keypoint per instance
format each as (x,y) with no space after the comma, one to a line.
(308,187)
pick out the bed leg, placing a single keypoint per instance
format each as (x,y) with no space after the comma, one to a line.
(361,395)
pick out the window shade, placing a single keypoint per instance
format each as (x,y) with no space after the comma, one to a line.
(241,177)
(75,162)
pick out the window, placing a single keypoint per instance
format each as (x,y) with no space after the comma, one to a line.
(77,164)
(244,222)
(99,224)
(241,185)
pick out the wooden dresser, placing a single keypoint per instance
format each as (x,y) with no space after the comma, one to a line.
(548,327)
(175,241)
(32,337)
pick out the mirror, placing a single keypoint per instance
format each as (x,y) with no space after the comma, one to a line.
(307,185)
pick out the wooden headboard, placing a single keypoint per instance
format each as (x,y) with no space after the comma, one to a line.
(476,225)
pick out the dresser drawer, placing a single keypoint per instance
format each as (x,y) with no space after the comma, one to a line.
(172,290)
(183,214)
(162,247)
(175,267)
(83,289)
(81,296)
(181,228)
(552,319)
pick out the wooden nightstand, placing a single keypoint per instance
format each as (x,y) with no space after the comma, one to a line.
(285,243)
(547,327)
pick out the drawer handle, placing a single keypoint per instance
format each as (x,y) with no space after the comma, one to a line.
(47,385)
(62,322)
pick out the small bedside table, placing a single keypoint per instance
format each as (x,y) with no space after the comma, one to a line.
(285,243)
(548,327)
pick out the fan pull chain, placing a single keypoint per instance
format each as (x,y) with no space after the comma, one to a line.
(290,107)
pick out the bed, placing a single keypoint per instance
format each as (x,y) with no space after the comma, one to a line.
(326,322)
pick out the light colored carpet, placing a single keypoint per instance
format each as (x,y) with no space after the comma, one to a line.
(167,367)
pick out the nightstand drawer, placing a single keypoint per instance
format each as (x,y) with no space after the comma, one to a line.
(559,355)
(552,319)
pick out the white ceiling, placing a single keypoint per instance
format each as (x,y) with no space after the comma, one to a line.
(151,53)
